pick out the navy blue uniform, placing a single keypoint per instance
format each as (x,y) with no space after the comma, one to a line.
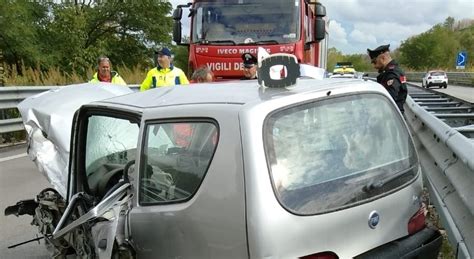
(394,80)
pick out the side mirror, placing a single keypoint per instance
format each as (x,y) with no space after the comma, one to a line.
(177,32)
(320,10)
(319,29)
(177,14)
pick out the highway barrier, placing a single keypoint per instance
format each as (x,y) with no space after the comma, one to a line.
(443,130)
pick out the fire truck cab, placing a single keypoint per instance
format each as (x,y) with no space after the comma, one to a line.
(223,30)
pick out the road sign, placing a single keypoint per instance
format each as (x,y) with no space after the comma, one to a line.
(461,60)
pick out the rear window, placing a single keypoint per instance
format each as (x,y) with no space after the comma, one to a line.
(176,158)
(338,152)
(438,73)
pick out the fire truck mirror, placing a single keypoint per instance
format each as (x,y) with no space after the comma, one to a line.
(177,32)
(177,14)
(320,10)
(319,29)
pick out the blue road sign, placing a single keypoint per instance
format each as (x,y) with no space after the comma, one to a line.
(461,60)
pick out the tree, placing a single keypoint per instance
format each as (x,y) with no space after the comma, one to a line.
(19,25)
(124,32)
(72,34)
(449,23)
(181,54)
(437,47)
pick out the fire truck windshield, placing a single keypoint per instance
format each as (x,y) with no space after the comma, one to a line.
(241,22)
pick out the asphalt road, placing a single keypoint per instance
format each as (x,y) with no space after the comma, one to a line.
(462,92)
(19,180)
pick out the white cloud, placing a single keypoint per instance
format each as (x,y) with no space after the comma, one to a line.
(337,34)
(360,37)
(374,22)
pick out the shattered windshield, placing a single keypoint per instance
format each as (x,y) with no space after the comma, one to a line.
(111,143)
(246,22)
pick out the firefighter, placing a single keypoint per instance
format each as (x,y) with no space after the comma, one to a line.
(250,66)
(105,73)
(165,74)
(391,76)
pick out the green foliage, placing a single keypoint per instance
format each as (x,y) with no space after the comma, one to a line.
(71,34)
(181,54)
(437,48)
(359,61)
(19,27)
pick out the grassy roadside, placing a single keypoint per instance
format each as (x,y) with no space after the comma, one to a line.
(432,218)
(55,76)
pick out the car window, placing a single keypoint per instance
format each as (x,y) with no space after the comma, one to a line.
(110,144)
(324,155)
(437,73)
(176,156)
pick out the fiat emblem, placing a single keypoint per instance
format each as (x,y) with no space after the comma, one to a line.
(374,219)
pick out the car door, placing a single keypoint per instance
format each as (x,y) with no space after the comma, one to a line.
(190,190)
(103,150)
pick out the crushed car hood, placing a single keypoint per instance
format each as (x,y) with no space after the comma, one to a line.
(47,118)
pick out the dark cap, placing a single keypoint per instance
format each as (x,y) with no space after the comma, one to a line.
(163,51)
(379,50)
(249,59)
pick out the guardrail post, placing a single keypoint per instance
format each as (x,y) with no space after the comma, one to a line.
(2,70)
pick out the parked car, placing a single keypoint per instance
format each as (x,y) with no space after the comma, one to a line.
(321,169)
(435,78)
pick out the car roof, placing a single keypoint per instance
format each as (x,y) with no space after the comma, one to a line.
(433,71)
(234,92)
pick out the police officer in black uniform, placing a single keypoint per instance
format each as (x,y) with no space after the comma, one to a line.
(250,66)
(391,76)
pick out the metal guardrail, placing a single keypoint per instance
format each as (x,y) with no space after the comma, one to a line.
(443,130)
(454,78)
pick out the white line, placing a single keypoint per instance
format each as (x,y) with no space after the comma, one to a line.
(12,157)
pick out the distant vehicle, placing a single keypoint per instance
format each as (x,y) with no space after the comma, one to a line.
(337,75)
(343,68)
(435,78)
(316,170)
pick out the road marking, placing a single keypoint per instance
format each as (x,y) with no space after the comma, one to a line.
(8,158)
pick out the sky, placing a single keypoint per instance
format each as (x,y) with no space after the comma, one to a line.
(355,25)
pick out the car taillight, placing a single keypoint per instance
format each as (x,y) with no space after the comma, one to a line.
(417,221)
(323,255)
(429,77)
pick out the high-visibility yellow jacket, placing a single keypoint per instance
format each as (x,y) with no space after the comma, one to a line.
(159,77)
(116,79)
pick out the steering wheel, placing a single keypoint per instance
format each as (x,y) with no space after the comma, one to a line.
(124,173)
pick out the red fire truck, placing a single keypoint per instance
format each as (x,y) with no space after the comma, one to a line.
(222,30)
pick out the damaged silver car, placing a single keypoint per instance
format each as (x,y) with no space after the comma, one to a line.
(319,169)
